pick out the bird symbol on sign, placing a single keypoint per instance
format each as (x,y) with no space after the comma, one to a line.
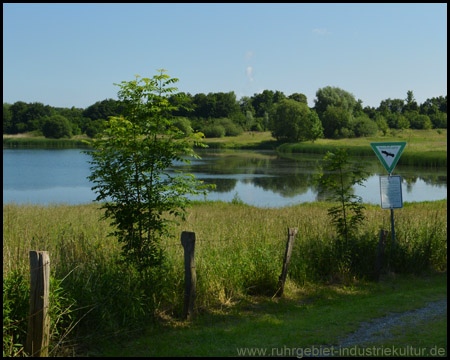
(387,153)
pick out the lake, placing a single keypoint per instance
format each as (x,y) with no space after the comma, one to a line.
(260,178)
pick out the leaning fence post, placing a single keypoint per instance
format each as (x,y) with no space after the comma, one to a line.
(380,254)
(38,335)
(190,277)
(286,261)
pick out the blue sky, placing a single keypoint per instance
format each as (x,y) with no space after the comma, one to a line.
(71,54)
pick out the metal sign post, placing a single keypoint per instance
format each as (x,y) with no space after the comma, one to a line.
(391,197)
(390,186)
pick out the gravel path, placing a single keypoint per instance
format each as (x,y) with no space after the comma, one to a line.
(379,329)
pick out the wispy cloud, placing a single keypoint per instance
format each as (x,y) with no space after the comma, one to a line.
(248,55)
(321,31)
(249,72)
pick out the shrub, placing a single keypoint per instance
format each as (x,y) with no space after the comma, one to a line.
(184,125)
(214,130)
(363,126)
(231,129)
(56,127)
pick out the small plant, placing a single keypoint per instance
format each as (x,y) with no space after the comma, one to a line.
(236,199)
(336,179)
(15,310)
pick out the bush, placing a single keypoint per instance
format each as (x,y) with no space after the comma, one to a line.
(439,120)
(56,127)
(231,129)
(214,130)
(363,126)
(184,125)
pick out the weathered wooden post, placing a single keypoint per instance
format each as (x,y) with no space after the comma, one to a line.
(190,277)
(380,254)
(38,335)
(287,259)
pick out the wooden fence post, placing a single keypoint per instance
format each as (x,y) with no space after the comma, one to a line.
(287,259)
(38,335)
(190,277)
(380,254)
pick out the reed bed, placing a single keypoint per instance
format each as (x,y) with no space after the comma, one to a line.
(239,251)
(42,143)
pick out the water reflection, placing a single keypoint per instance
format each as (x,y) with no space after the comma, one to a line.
(290,177)
(260,178)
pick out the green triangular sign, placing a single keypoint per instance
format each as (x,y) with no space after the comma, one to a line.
(388,153)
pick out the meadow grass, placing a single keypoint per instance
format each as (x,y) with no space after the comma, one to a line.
(239,252)
(423,147)
(41,142)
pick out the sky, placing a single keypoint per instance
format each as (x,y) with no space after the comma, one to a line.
(67,55)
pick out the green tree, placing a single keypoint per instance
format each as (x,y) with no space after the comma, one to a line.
(418,121)
(56,127)
(410,102)
(382,124)
(364,126)
(391,106)
(291,121)
(334,96)
(130,169)
(439,120)
(336,122)
(7,118)
(103,109)
(301,98)
(336,179)
(314,130)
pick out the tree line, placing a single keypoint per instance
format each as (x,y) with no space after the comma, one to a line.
(336,114)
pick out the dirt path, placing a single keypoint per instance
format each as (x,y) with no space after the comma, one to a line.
(378,329)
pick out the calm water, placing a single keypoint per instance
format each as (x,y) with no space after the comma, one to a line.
(260,178)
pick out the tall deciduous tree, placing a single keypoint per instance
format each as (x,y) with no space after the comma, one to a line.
(294,121)
(130,169)
(334,96)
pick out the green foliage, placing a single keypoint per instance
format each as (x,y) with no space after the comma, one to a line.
(439,120)
(291,121)
(15,309)
(184,125)
(363,126)
(418,121)
(231,129)
(336,178)
(56,127)
(239,251)
(382,124)
(334,96)
(16,294)
(103,109)
(214,130)
(336,122)
(130,169)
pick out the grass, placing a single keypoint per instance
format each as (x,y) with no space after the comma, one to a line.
(246,140)
(30,140)
(424,147)
(239,251)
(307,317)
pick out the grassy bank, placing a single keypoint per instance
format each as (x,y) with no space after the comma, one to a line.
(424,147)
(239,251)
(29,141)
